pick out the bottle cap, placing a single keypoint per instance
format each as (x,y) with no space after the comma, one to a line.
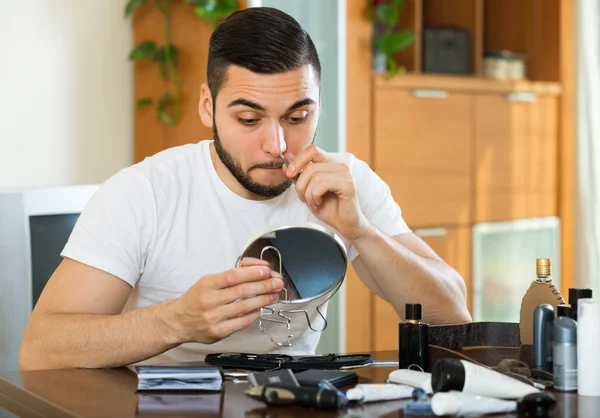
(448,374)
(563,310)
(413,311)
(543,267)
(565,330)
(576,293)
(445,404)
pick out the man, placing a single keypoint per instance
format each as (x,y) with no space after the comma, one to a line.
(171,227)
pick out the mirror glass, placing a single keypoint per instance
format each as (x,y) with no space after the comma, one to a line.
(311,259)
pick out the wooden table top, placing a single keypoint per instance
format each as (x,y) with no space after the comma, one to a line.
(111,393)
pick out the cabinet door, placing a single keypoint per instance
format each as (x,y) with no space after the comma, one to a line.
(453,245)
(515,156)
(422,150)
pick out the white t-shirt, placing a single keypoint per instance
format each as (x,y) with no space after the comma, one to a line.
(164,223)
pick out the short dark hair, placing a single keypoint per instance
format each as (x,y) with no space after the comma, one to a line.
(263,40)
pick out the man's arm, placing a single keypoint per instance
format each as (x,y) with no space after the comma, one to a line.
(399,270)
(404,269)
(77,321)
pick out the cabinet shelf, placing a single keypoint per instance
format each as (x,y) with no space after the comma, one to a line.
(471,84)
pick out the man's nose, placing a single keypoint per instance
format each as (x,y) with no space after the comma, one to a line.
(275,143)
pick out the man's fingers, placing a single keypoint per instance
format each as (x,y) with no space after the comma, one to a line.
(251,261)
(247,290)
(309,172)
(228,327)
(244,306)
(312,153)
(237,276)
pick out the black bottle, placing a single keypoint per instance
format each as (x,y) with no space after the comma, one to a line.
(413,339)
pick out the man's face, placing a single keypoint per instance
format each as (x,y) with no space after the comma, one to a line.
(256,117)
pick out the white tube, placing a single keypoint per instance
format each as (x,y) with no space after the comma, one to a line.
(379,392)
(464,404)
(482,381)
(412,378)
(462,375)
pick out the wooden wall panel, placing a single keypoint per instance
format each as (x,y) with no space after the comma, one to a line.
(566,152)
(150,133)
(359,86)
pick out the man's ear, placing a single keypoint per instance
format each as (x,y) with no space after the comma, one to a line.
(205,107)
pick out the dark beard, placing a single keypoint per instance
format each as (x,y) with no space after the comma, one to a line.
(243,177)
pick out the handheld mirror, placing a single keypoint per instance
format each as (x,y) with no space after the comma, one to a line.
(313,262)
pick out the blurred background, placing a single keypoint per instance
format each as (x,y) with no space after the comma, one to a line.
(483,116)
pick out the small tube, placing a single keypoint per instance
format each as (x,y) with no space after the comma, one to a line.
(465,404)
(412,378)
(462,375)
(379,392)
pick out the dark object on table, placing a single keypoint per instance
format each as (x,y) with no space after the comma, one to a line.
(262,362)
(413,339)
(475,334)
(338,378)
(282,377)
(446,50)
(536,405)
(293,396)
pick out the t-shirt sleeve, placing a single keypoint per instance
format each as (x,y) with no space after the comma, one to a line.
(376,201)
(114,231)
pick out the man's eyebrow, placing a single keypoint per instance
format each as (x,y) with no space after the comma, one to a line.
(248,103)
(300,103)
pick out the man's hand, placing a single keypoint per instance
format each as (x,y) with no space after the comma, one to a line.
(327,188)
(220,304)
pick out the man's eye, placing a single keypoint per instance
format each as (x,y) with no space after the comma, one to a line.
(296,121)
(248,122)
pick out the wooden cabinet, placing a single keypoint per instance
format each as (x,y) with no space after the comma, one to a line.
(422,151)
(515,156)
(454,246)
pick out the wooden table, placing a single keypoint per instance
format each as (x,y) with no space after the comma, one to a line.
(111,393)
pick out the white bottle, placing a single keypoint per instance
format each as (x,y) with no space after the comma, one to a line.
(588,345)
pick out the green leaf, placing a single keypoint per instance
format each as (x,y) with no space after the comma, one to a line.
(392,67)
(163,102)
(388,14)
(146,101)
(165,117)
(160,55)
(378,42)
(382,11)
(163,71)
(398,41)
(142,51)
(399,4)
(132,5)
(211,14)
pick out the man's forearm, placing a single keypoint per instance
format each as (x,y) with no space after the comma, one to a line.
(405,277)
(64,340)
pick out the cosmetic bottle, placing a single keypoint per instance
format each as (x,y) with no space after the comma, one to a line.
(588,341)
(413,341)
(541,291)
(543,317)
(564,353)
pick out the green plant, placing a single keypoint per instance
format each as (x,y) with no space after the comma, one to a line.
(387,38)
(167,55)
